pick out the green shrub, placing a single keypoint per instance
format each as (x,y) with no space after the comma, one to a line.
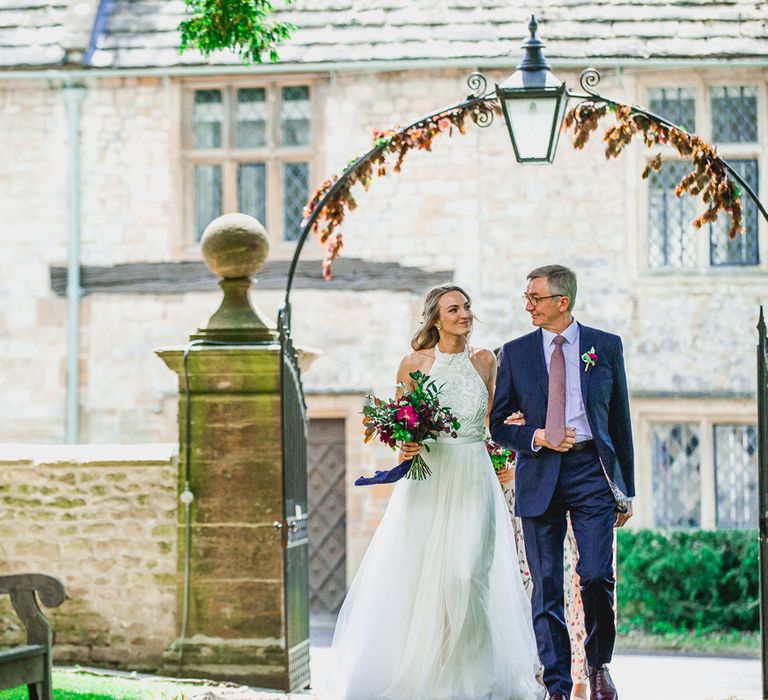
(701,580)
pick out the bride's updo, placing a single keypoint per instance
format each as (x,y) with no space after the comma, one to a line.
(427,335)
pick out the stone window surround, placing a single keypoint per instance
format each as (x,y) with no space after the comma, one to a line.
(705,412)
(701,81)
(229,157)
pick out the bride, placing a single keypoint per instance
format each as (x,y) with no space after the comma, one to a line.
(437,610)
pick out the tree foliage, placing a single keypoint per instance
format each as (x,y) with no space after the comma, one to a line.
(243,26)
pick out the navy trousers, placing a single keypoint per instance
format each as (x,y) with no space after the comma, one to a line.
(583,491)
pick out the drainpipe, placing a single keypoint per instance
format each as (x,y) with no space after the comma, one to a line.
(73,98)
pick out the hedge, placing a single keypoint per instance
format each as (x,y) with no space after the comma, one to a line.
(702,580)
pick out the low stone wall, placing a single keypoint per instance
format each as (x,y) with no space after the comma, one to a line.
(102,518)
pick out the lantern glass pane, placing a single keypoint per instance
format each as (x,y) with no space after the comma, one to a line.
(531,121)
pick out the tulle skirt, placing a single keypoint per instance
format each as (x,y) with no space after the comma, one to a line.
(437,610)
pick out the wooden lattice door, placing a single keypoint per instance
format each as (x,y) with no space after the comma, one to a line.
(326,462)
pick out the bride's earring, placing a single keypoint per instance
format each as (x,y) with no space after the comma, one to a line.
(437,326)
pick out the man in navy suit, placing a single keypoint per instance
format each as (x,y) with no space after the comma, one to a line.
(574,455)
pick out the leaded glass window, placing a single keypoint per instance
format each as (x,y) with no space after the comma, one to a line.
(677,104)
(736,475)
(248,148)
(208,118)
(295,193)
(671,236)
(251,117)
(207,196)
(676,469)
(252,190)
(742,250)
(295,116)
(734,113)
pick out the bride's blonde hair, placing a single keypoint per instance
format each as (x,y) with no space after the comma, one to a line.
(427,335)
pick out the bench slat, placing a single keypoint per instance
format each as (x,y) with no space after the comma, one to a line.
(27,665)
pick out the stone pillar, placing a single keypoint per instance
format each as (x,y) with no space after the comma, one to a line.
(235,626)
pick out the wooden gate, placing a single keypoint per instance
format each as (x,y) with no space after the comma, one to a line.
(327,527)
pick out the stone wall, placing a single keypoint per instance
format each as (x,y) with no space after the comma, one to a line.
(102,518)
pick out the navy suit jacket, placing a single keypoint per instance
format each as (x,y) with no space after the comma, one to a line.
(522,385)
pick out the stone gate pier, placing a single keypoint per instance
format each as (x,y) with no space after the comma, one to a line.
(238,612)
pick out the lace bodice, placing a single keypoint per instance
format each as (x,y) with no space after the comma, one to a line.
(463,391)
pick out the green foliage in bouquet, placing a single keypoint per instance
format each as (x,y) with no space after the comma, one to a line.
(679,580)
(416,416)
(242,26)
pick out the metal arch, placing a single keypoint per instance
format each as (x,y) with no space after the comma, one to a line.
(479,97)
(589,80)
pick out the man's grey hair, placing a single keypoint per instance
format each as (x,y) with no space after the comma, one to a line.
(561,280)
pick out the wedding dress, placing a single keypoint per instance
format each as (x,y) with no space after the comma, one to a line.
(437,610)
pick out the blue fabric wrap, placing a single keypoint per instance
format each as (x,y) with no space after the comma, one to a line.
(385,476)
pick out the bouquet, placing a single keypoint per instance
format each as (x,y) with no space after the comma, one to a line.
(501,457)
(416,416)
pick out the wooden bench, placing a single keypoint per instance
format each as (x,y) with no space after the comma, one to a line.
(30,664)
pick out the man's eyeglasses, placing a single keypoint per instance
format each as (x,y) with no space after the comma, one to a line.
(534,301)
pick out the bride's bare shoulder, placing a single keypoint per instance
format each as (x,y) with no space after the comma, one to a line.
(417,360)
(483,356)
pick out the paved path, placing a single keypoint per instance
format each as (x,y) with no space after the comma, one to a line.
(650,677)
(646,677)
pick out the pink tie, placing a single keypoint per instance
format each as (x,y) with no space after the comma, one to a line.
(554,430)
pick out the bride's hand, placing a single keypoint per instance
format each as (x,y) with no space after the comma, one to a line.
(505,476)
(517,418)
(408,450)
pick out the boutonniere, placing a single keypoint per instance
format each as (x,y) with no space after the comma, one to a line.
(589,358)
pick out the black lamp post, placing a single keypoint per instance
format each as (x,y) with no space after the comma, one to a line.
(534,101)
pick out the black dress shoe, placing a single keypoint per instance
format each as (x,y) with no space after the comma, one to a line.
(601,685)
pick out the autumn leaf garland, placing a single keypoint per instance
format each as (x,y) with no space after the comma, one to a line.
(387,145)
(708,178)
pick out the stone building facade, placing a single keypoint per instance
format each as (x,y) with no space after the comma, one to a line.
(167,141)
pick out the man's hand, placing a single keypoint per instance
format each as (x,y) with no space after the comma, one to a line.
(517,418)
(621,518)
(540,440)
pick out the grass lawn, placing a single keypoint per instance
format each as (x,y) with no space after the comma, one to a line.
(733,644)
(72,684)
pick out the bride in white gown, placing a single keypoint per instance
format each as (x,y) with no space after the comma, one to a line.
(437,610)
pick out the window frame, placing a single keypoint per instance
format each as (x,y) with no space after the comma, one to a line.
(717,473)
(706,412)
(229,156)
(701,81)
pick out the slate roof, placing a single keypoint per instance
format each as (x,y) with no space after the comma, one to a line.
(143,33)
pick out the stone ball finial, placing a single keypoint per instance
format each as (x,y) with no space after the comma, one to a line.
(234,246)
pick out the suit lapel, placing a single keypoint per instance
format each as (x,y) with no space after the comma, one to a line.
(586,341)
(539,363)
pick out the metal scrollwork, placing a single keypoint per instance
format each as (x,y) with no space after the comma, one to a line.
(483,115)
(478,84)
(589,80)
